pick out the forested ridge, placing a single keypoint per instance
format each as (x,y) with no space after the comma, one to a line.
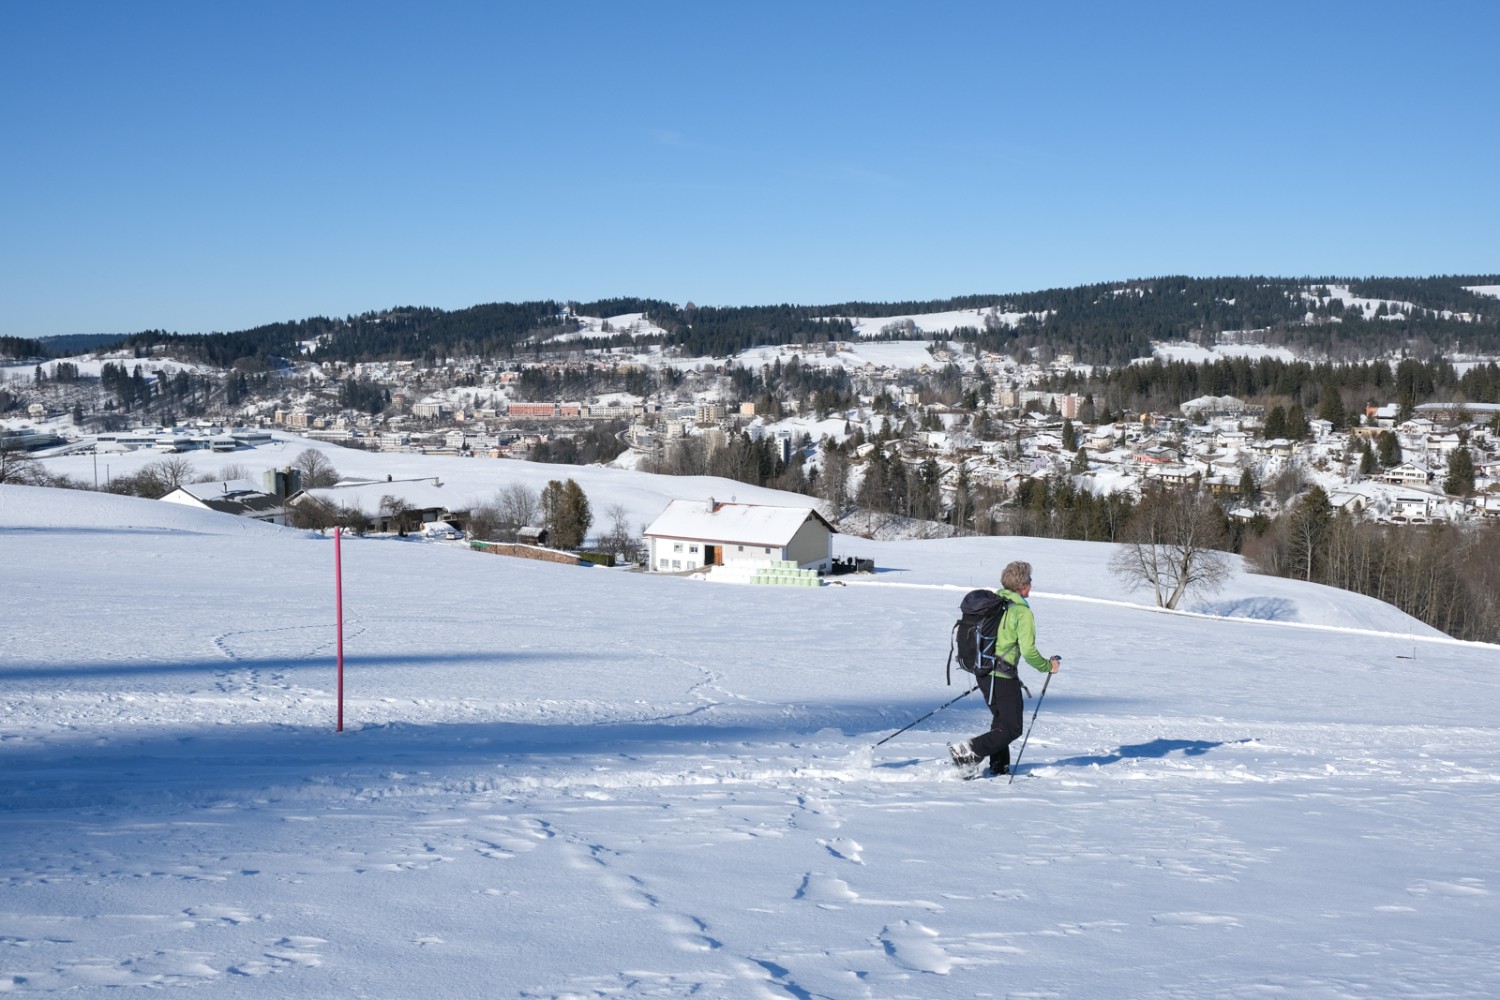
(1106,323)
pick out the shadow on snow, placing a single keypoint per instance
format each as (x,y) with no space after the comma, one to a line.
(1157,748)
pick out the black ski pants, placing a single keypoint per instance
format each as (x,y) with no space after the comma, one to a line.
(1003,696)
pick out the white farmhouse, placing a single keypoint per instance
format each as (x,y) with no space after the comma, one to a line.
(692,534)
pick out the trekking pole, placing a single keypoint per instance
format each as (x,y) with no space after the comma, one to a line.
(930,714)
(1028,729)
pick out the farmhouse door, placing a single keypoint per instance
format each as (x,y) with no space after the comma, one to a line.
(713,555)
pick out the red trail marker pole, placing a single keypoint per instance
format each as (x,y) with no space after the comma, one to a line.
(338,600)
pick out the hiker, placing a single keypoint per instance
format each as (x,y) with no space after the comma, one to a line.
(1014,641)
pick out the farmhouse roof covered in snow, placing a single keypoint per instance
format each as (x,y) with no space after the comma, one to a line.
(742,523)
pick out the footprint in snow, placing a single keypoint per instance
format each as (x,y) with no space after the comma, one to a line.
(914,946)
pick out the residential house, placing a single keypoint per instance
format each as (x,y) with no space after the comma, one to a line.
(1175,474)
(692,534)
(1440,446)
(1407,474)
(1102,438)
(1353,503)
(1410,507)
(1227,439)
(1155,455)
(1276,448)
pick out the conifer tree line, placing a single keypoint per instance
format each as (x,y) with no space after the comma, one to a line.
(1336,392)
(22,349)
(1103,324)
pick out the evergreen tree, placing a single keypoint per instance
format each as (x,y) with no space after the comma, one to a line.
(565,511)
(1310,523)
(1296,423)
(1460,480)
(1331,407)
(1276,423)
(1389,450)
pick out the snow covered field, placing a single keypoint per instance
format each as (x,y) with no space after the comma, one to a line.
(563,782)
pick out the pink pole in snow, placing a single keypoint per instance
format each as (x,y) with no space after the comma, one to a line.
(338,600)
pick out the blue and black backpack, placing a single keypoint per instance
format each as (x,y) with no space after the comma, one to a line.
(974,635)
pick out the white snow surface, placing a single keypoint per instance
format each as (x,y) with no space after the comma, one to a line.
(566,782)
(897,354)
(1198,354)
(939,322)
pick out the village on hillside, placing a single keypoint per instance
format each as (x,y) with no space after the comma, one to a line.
(980,417)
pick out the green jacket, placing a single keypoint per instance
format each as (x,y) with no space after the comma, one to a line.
(1016,638)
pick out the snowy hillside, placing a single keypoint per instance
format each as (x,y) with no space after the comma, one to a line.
(564,782)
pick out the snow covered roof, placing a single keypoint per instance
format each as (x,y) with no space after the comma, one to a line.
(745,523)
(1212,403)
(217,489)
(240,497)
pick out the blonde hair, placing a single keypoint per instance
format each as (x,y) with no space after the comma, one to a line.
(1015,576)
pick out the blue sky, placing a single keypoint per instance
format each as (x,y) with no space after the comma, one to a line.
(197,167)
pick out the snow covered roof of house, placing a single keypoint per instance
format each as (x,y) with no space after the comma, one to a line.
(756,524)
(219,488)
(240,497)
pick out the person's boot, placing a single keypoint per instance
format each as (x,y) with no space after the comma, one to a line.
(1000,762)
(962,753)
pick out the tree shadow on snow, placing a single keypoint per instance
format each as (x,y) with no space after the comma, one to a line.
(1266,609)
(1157,748)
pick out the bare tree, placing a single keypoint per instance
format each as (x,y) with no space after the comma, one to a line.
(835,478)
(16,466)
(154,480)
(1172,545)
(393,509)
(516,506)
(317,471)
(311,514)
(619,539)
(234,470)
(351,519)
(173,472)
(484,522)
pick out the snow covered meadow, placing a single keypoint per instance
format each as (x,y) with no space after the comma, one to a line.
(566,782)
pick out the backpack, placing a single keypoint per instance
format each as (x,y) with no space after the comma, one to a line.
(974,634)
